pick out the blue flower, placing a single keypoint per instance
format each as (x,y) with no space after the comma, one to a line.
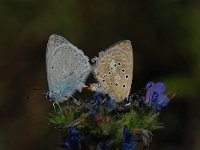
(95,103)
(72,140)
(154,95)
(96,99)
(104,145)
(128,141)
(110,104)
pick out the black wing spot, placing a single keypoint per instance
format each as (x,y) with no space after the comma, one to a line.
(124,85)
(123,70)
(105,75)
(126,76)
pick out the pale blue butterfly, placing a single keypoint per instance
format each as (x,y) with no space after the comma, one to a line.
(67,68)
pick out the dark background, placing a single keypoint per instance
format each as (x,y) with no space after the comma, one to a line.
(166,38)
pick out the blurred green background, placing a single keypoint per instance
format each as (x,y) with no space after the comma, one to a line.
(166,40)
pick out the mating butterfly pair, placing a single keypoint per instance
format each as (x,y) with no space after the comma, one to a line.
(68,68)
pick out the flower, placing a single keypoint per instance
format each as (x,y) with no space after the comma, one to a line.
(108,120)
(98,118)
(96,99)
(95,103)
(72,140)
(104,145)
(154,95)
(128,141)
(110,104)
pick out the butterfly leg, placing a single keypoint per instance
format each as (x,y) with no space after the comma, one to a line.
(76,101)
(54,106)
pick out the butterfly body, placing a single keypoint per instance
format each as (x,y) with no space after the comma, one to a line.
(114,69)
(67,68)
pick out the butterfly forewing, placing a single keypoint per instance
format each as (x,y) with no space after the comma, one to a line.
(114,69)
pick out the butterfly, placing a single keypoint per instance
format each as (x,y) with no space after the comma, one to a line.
(67,68)
(114,70)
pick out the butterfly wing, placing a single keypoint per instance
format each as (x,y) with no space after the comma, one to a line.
(67,69)
(114,70)
(53,42)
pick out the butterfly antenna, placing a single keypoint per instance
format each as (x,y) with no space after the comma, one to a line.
(36,91)
(30,97)
(173,95)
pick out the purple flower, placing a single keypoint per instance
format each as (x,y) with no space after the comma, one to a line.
(154,95)
(128,141)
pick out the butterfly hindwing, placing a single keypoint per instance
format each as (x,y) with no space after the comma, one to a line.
(67,69)
(114,70)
